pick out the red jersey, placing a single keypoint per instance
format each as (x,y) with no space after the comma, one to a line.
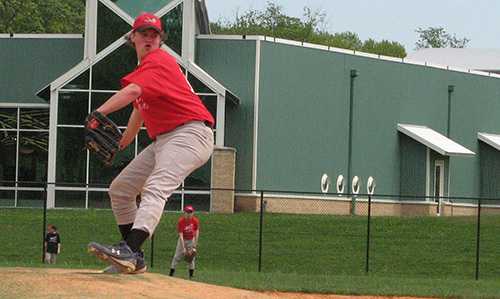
(167,99)
(188,227)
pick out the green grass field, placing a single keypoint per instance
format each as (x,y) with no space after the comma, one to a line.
(427,256)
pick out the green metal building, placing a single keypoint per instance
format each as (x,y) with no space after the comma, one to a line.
(296,108)
(300,116)
(29,61)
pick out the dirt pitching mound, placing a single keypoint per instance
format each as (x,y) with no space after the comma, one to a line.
(64,283)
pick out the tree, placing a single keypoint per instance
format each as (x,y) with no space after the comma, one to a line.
(272,21)
(437,37)
(383,47)
(42,16)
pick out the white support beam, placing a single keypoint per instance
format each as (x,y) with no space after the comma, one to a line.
(220,121)
(205,78)
(70,75)
(51,171)
(118,11)
(188,30)
(108,50)
(428,173)
(256,114)
(175,55)
(166,9)
(17,155)
(90,29)
(23,105)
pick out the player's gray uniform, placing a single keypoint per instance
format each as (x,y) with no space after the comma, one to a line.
(157,171)
(50,258)
(179,254)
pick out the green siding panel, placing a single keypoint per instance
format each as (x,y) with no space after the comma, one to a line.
(232,63)
(490,171)
(134,7)
(29,64)
(413,167)
(475,107)
(303,117)
(385,94)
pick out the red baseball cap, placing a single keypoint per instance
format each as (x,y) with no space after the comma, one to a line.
(188,209)
(147,21)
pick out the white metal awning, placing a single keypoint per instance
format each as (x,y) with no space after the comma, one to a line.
(434,140)
(490,139)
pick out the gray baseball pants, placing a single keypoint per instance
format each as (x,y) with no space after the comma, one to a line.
(179,254)
(157,172)
(50,258)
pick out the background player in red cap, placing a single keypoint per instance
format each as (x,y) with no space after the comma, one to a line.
(188,228)
(181,129)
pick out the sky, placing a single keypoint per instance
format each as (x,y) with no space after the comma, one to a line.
(394,20)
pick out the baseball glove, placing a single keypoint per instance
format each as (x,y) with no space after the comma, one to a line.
(102,137)
(190,255)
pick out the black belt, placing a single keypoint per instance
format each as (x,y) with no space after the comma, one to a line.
(208,124)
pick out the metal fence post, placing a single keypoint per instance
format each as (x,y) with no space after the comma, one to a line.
(261,223)
(478,237)
(368,234)
(44,221)
(152,249)
(353,204)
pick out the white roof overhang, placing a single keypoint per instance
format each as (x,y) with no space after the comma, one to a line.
(434,140)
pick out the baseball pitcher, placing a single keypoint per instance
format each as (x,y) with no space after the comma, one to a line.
(181,129)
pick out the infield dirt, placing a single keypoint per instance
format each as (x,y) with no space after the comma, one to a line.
(64,283)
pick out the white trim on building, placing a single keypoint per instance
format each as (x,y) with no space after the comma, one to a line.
(41,35)
(256,115)
(490,139)
(188,30)
(349,52)
(118,11)
(51,163)
(434,140)
(90,45)
(23,105)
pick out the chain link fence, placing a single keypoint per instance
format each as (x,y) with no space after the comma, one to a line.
(280,231)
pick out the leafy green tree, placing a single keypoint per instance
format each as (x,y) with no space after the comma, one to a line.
(383,47)
(42,16)
(272,21)
(345,40)
(437,37)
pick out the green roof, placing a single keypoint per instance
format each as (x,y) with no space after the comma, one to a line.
(134,7)
(29,64)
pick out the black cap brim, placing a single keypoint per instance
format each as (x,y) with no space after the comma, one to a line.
(144,28)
